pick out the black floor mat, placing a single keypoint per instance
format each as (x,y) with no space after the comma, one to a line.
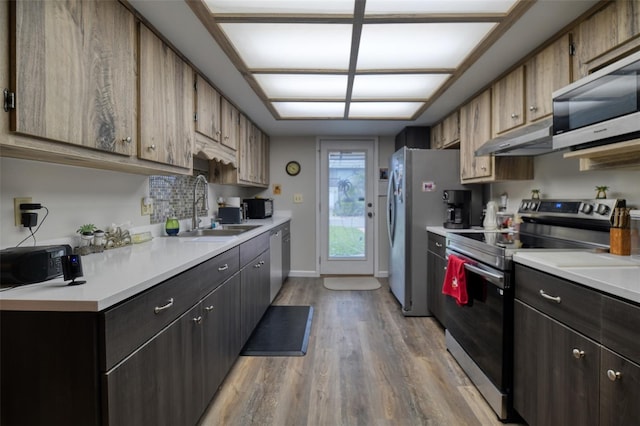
(282,331)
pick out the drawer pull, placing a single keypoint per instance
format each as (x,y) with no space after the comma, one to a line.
(209,308)
(548,297)
(223,267)
(613,375)
(577,353)
(438,245)
(198,319)
(159,309)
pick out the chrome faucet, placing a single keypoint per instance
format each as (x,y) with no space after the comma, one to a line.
(195,221)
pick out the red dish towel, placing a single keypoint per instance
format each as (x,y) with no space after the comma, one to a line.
(455,280)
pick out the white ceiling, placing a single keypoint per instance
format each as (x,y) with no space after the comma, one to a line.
(176,21)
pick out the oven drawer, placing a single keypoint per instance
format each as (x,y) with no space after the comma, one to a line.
(576,306)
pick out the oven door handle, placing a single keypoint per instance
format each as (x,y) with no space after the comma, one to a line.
(497,279)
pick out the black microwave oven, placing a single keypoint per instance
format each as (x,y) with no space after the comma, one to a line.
(259,208)
(601,108)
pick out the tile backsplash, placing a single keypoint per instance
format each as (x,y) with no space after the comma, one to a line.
(174,195)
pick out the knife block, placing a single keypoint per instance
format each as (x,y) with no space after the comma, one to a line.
(620,241)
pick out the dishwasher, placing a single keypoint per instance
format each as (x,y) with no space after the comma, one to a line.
(275,247)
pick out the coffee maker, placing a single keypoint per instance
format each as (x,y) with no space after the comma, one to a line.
(458,213)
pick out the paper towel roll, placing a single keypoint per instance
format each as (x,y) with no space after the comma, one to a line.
(232,202)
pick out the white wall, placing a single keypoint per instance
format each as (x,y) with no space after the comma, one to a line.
(557,177)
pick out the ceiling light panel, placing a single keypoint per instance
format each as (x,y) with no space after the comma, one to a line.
(393,110)
(413,7)
(303,86)
(397,86)
(341,7)
(418,46)
(310,109)
(291,46)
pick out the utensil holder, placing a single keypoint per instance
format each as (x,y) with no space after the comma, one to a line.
(620,241)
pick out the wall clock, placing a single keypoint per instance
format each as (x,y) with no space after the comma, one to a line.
(293,168)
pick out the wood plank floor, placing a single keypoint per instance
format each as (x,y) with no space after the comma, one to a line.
(366,364)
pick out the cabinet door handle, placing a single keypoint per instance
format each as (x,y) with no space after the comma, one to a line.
(257,265)
(548,297)
(262,262)
(223,267)
(577,353)
(613,375)
(152,147)
(159,309)
(198,319)
(438,245)
(209,308)
(533,108)
(514,115)
(127,139)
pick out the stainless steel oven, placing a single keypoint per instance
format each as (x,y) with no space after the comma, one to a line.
(479,334)
(481,329)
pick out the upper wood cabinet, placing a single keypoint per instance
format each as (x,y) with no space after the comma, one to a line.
(74,73)
(508,102)
(446,134)
(608,34)
(166,103)
(546,72)
(475,130)
(252,158)
(230,124)
(207,109)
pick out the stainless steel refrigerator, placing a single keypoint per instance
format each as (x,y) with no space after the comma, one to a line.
(417,178)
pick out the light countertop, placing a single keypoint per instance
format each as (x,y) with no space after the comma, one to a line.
(115,275)
(611,274)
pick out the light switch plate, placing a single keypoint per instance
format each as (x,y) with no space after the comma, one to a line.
(297,198)
(16,208)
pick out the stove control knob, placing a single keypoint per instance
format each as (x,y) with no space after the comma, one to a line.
(533,205)
(586,208)
(602,209)
(523,205)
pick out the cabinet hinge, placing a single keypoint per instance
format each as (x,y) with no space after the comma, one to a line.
(572,49)
(195,86)
(195,117)
(9,100)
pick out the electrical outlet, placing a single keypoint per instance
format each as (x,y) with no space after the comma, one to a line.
(16,208)
(297,198)
(146,206)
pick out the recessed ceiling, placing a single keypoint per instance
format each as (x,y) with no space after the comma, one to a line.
(188,26)
(354,59)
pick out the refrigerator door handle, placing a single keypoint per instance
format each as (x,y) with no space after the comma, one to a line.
(391,214)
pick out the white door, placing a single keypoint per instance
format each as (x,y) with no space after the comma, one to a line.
(347,206)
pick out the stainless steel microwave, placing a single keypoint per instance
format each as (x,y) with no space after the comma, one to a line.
(601,108)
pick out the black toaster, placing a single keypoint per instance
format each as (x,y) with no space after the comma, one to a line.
(34,264)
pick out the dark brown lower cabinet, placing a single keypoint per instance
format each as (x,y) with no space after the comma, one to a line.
(255,293)
(574,369)
(552,386)
(436,268)
(160,383)
(221,333)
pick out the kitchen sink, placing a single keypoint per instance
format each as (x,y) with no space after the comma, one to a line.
(217,232)
(223,231)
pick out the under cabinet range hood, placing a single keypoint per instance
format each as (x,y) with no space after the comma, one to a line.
(533,139)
